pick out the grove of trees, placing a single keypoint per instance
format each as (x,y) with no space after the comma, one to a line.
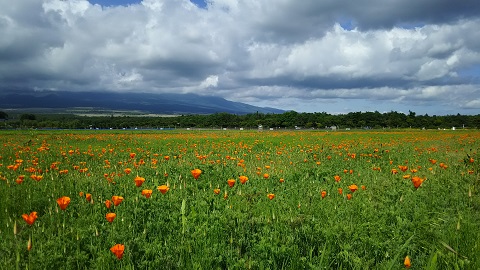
(287,120)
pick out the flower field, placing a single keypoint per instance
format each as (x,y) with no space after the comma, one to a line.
(239,200)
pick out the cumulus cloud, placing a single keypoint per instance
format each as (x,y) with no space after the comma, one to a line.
(210,81)
(306,56)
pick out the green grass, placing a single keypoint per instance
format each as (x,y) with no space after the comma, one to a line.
(190,227)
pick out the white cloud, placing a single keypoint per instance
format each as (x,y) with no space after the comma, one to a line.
(210,81)
(472,104)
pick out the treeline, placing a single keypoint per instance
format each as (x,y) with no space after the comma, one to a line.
(288,120)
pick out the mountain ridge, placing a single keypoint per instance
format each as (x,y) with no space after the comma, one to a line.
(169,103)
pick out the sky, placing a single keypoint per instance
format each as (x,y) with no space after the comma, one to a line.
(334,56)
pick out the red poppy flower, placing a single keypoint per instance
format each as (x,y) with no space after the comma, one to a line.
(353,188)
(417,181)
(231,182)
(108,204)
(30,218)
(118,250)
(163,189)
(139,181)
(63,202)
(196,173)
(117,200)
(243,179)
(110,217)
(147,193)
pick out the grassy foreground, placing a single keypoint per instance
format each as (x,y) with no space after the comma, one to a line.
(312,200)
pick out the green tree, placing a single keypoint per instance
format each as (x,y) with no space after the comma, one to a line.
(27,116)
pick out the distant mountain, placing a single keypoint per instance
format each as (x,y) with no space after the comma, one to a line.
(144,102)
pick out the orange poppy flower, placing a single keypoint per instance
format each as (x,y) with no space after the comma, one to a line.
(127,170)
(337,178)
(118,250)
(108,204)
(349,196)
(30,218)
(324,194)
(63,202)
(266,176)
(417,181)
(225,195)
(216,191)
(353,188)
(139,181)
(243,179)
(117,200)
(403,168)
(231,182)
(281,180)
(132,155)
(394,171)
(406,176)
(147,193)
(163,189)
(364,187)
(166,157)
(36,177)
(110,217)
(271,196)
(88,196)
(340,191)
(196,173)
(407,262)
(81,194)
